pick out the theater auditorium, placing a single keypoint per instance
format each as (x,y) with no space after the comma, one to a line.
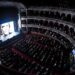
(37,37)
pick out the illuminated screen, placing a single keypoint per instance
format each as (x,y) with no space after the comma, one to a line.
(9,23)
(7,28)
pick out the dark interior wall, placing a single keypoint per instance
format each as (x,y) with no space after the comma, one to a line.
(8,14)
(63,3)
(44,2)
(58,3)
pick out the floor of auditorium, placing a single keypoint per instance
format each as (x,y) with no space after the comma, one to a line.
(35,54)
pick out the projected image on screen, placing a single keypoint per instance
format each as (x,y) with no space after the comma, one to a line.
(7,28)
(7,31)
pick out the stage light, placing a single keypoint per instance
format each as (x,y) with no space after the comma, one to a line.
(73,51)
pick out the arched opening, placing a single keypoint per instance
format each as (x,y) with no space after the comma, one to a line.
(41,13)
(66,29)
(61,27)
(36,13)
(51,24)
(51,14)
(41,22)
(45,23)
(57,15)
(68,18)
(73,19)
(63,16)
(56,25)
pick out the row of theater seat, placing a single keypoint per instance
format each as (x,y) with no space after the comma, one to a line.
(48,56)
(63,28)
(51,14)
(15,62)
(55,35)
(35,55)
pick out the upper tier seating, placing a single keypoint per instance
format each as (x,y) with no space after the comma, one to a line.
(60,14)
(55,25)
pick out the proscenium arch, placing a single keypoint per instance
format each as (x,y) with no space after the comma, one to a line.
(18,5)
